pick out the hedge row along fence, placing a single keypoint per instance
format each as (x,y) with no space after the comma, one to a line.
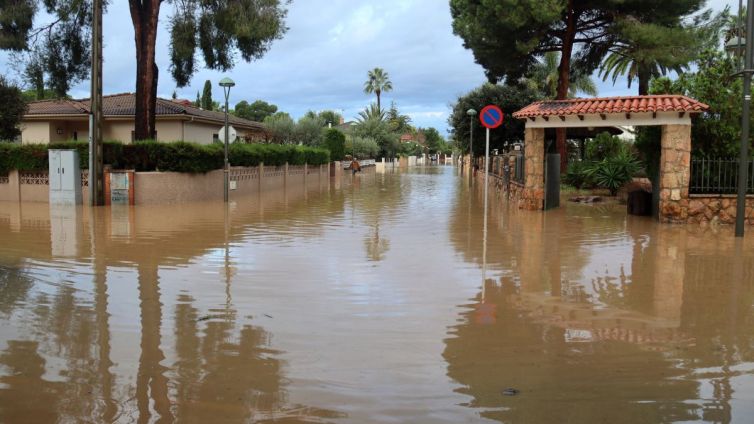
(155,156)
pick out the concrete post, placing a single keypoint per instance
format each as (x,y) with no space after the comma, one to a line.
(533,195)
(675,172)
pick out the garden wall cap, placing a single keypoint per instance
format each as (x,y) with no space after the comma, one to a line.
(608,105)
(124,104)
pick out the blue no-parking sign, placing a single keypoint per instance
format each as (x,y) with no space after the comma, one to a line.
(491,116)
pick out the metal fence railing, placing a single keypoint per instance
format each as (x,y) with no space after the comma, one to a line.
(718,176)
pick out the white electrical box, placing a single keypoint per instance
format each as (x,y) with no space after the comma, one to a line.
(65,177)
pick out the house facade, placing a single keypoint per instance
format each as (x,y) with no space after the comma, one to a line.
(176,120)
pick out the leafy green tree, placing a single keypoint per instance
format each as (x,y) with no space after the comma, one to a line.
(281,127)
(55,54)
(335,142)
(12,110)
(379,131)
(207,96)
(34,95)
(544,78)
(378,81)
(716,132)
(650,50)
(198,101)
(507,39)
(398,122)
(330,116)
(256,111)
(434,140)
(309,130)
(362,147)
(510,98)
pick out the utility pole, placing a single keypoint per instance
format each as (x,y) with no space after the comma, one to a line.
(743,158)
(96,185)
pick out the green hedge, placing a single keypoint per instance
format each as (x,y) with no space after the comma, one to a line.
(152,156)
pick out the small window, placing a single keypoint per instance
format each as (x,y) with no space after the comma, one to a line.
(75,136)
(215,138)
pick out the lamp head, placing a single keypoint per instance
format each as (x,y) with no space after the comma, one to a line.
(471,112)
(227,82)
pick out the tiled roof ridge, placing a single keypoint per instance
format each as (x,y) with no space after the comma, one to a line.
(606,105)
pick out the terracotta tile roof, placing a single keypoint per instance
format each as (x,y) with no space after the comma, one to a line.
(124,105)
(608,105)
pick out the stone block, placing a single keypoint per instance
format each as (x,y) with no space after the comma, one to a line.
(696,207)
(725,203)
(675,194)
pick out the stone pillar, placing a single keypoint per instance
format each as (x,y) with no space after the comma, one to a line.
(533,195)
(669,273)
(675,171)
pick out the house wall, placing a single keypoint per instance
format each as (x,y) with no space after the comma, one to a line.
(35,132)
(170,130)
(198,132)
(121,130)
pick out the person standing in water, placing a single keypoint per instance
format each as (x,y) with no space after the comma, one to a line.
(355,166)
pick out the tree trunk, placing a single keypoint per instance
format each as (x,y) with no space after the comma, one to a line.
(564,79)
(378,100)
(144,14)
(644,77)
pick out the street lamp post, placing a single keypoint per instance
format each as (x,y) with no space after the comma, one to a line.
(226,83)
(736,44)
(472,114)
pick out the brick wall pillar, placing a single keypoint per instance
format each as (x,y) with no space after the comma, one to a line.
(533,195)
(675,171)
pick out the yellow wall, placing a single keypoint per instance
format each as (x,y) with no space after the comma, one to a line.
(35,132)
(200,132)
(121,130)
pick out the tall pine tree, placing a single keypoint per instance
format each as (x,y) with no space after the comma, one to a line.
(207,96)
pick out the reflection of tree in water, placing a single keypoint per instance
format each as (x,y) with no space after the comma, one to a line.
(219,379)
(25,396)
(14,288)
(559,381)
(63,326)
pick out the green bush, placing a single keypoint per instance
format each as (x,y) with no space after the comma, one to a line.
(603,146)
(157,156)
(614,172)
(335,142)
(577,175)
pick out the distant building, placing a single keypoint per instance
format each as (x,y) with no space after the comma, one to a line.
(176,120)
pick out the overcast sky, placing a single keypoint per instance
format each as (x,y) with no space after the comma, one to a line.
(322,61)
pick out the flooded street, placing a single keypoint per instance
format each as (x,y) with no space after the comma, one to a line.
(374,302)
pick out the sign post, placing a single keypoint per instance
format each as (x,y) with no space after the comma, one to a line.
(491,117)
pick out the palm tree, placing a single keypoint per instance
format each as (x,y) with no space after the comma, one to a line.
(544,78)
(378,82)
(373,112)
(646,51)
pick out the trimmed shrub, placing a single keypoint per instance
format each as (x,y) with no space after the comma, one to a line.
(157,156)
(335,142)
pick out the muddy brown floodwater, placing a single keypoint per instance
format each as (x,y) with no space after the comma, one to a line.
(367,304)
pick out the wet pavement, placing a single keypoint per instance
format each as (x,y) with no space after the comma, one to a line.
(375,302)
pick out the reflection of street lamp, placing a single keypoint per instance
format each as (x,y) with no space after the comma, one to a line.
(353,140)
(471,113)
(226,83)
(739,44)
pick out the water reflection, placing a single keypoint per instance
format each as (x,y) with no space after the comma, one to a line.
(374,302)
(599,317)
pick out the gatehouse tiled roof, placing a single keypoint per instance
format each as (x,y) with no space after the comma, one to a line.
(608,105)
(124,105)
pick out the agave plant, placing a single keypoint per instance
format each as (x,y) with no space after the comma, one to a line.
(614,172)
